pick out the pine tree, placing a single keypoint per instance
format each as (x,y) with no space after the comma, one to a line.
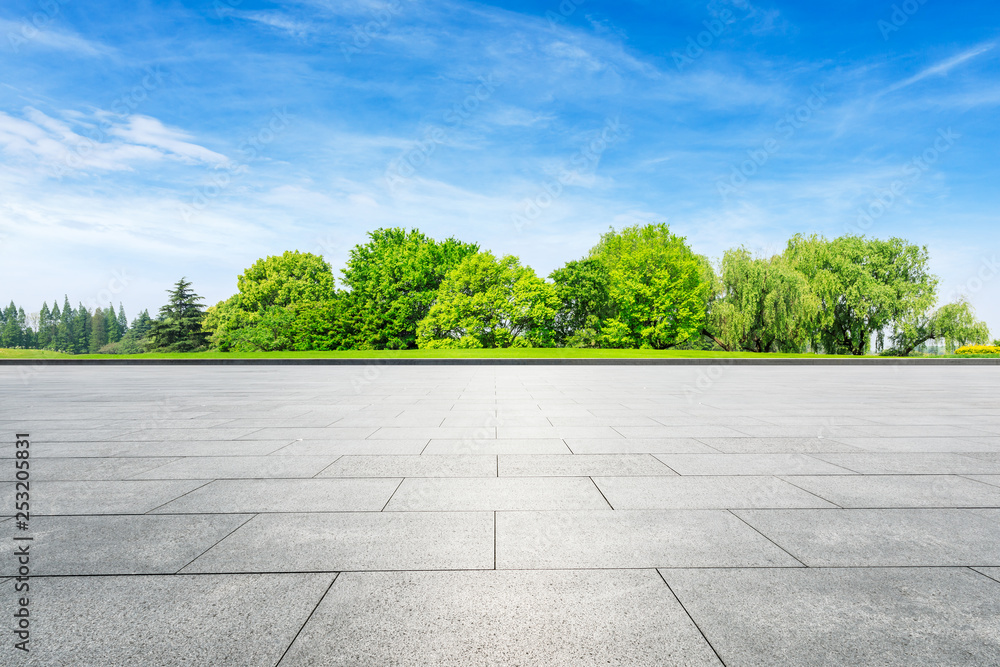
(140,326)
(98,331)
(122,320)
(64,330)
(178,327)
(44,326)
(10,334)
(27,335)
(111,325)
(81,330)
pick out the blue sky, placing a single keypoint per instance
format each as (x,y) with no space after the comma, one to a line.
(143,141)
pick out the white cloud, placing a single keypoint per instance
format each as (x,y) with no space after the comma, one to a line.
(56,147)
(942,67)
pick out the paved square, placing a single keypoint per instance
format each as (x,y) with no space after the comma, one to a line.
(506,515)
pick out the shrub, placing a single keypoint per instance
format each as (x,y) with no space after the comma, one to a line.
(124,346)
(979,349)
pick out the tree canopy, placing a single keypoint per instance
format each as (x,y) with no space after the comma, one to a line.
(490,302)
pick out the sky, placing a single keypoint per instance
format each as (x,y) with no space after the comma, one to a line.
(145,141)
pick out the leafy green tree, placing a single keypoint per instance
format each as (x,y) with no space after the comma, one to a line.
(765,305)
(659,287)
(583,289)
(488,303)
(864,286)
(285,302)
(955,323)
(178,327)
(393,280)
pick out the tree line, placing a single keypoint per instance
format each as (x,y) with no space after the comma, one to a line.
(638,287)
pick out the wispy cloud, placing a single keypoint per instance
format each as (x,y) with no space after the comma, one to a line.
(943,67)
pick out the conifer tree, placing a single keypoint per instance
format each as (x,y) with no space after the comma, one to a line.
(98,331)
(122,320)
(44,326)
(81,330)
(111,325)
(178,327)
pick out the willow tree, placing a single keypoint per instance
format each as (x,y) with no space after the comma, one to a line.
(864,286)
(765,305)
(955,323)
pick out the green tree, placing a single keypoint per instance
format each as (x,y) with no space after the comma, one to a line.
(864,286)
(64,329)
(82,323)
(393,280)
(765,305)
(955,323)
(111,325)
(44,326)
(583,289)
(178,327)
(98,331)
(122,320)
(488,303)
(285,302)
(659,287)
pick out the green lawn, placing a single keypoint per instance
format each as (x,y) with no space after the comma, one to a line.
(510,353)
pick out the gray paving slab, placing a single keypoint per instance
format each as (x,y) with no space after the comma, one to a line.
(160,434)
(72,469)
(832,617)
(180,448)
(303,433)
(883,537)
(928,444)
(562,619)
(355,541)
(119,544)
(285,495)
(638,446)
(991,572)
(749,464)
(221,467)
(166,621)
(494,447)
(106,496)
(694,492)
(352,447)
(992,480)
(631,539)
(879,491)
(496,494)
(776,445)
(581,465)
(913,463)
(412,466)
(557,432)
